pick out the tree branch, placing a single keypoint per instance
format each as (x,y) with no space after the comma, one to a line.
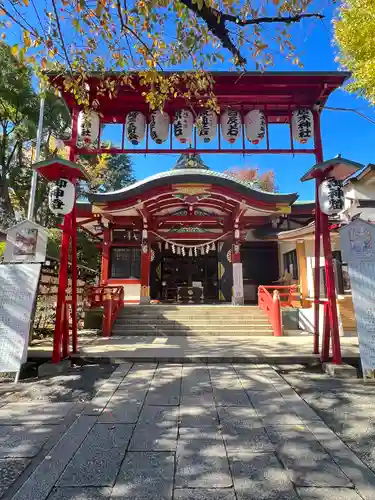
(126,27)
(61,36)
(216,22)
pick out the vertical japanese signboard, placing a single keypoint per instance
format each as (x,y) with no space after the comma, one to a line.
(19,284)
(357,244)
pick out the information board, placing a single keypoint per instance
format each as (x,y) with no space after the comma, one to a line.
(357,244)
(19,284)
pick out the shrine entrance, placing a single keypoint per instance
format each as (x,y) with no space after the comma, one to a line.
(186,279)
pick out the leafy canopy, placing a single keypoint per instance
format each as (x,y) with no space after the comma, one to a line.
(150,37)
(354,33)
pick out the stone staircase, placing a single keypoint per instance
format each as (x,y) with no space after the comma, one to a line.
(188,320)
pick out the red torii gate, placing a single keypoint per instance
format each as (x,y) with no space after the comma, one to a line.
(277,94)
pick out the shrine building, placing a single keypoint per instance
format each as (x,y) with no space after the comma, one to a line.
(177,236)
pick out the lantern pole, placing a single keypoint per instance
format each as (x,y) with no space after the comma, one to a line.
(34,177)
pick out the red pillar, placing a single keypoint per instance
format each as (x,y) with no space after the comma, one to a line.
(331,291)
(319,159)
(74,271)
(106,250)
(145,273)
(60,323)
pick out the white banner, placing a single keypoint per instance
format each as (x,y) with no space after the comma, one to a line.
(357,243)
(19,284)
(237,283)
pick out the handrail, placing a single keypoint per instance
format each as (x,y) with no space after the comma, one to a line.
(111,298)
(291,291)
(270,304)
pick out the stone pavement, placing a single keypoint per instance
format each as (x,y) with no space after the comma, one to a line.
(179,432)
(200,348)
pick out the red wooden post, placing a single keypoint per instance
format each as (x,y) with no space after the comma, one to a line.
(107,314)
(106,250)
(63,283)
(276,314)
(319,159)
(65,339)
(145,273)
(74,278)
(331,291)
(326,335)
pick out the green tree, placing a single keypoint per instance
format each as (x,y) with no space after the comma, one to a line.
(118,174)
(354,34)
(153,36)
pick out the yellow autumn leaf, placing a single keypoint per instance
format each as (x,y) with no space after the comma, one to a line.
(14,50)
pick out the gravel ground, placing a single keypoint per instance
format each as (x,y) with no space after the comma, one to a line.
(79,384)
(346,406)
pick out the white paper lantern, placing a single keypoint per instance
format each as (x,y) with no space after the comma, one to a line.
(159,126)
(255,125)
(207,125)
(302,125)
(88,127)
(135,125)
(61,197)
(230,122)
(183,125)
(331,197)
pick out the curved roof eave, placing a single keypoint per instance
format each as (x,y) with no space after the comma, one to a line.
(191,176)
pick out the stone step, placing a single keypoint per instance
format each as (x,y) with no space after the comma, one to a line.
(123,314)
(196,333)
(191,324)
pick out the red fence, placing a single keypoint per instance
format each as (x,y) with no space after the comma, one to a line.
(111,298)
(271,303)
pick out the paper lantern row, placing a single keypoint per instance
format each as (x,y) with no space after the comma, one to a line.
(206,125)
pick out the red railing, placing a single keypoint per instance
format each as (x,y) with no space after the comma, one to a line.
(111,298)
(271,299)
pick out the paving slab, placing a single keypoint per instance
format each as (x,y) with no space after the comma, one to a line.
(328,494)
(201,459)
(305,459)
(165,386)
(195,380)
(98,460)
(10,470)
(360,475)
(198,415)
(44,477)
(260,476)
(100,400)
(80,494)
(231,397)
(40,413)
(145,475)
(252,379)
(204,494)
(156,429)
(272,409)
(23,440)
(243,431)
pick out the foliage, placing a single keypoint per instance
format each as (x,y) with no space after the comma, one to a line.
(87,252)
(265,181)
(107,172)
(2,249)
(151,36)
(19,112)
(354,33)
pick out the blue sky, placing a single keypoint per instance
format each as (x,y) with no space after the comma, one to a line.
(343,133)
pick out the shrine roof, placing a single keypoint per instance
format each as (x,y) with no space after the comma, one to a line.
(194,175)
(274,91)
